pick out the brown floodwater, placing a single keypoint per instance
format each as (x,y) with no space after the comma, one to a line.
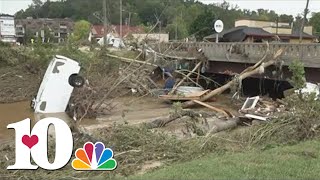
(11,113)
(15,112)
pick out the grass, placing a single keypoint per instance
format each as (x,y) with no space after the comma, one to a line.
(301,161)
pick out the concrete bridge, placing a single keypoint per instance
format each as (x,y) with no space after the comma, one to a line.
(230,58)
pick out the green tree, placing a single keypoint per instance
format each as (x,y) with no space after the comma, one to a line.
(315,22)
(286,18)
(202,25)
(178,28)
(81,30)
(298,78)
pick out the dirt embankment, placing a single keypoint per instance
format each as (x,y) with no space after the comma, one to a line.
(20,74)
(18,83)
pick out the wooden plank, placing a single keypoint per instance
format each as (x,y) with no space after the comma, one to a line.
(199,93)
(211,107)
(191,96)
(178,98)
(252,116)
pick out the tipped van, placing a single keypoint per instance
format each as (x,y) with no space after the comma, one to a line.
(61,77)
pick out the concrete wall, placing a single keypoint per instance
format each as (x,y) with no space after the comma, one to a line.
(280,30)
(295,41)
(261,24)
(271,27)
(252,52)
(308,30)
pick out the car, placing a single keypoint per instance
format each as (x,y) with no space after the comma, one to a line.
(61,77)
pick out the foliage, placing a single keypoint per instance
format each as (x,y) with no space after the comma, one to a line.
(202,25)
(315,22)
(12,56)
(81,31)
(286,18)
(299,123)
(298,79)
(177,30)
(176,108)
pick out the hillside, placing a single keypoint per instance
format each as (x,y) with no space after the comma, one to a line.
(187,16)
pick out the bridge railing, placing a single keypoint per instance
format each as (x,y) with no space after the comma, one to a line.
(252,52)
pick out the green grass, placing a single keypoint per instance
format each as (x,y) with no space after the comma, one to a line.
(287,162)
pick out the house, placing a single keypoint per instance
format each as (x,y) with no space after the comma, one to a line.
(128,32)
(282,30)
(242,34)
(97,31)
(48,30)
(258,31)
(7,29)
(294,37)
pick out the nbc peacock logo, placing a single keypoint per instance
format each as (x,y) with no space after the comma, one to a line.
(94,157)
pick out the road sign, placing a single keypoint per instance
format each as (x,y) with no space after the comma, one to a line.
(218,26)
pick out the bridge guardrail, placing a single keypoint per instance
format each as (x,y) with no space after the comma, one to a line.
(253,52)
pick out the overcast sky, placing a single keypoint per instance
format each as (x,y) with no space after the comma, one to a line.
(292,7)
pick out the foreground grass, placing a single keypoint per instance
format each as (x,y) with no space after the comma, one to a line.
(287,162)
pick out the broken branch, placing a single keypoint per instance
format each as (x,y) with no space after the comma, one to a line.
(188,75)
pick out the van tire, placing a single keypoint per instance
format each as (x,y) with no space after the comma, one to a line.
(76,81)
(32,103)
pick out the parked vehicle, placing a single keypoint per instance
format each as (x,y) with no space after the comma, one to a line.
(57,85)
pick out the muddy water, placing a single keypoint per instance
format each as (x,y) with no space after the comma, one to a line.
(11,113)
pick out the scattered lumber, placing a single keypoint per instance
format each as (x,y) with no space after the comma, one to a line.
(186,97)
(131,60)
(176,57)
(212,108)
(186,77)
(252,116)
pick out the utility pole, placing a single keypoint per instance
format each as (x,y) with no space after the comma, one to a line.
(129,19)
(306,10)
(120,19)
(277,25)
(104,6)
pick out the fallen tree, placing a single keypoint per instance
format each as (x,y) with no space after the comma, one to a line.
(164,120)
(258,68)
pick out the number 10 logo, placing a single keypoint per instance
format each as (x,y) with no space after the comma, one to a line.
(34,144)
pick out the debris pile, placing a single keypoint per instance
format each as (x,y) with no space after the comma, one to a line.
(257,108)
(137,79)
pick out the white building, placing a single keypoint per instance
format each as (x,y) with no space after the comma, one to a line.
(7,29)
(161,37)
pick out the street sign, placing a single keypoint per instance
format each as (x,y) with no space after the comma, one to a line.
(218,26)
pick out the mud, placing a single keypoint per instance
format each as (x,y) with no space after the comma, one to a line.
(18,83)
(132,111)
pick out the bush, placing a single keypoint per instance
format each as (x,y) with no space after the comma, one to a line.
(298,79)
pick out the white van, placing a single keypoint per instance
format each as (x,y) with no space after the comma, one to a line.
(57,85)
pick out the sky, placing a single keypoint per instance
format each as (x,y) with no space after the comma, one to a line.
(291,7)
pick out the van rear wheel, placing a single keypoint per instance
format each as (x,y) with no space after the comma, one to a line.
(76,81)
